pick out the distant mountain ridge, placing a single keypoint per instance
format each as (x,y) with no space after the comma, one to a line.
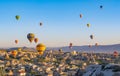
(100,48)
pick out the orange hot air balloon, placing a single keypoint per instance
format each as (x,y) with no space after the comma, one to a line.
(36,40)
(16,41)
(40,47)
(14,53)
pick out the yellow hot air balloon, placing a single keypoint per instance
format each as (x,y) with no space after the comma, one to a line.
(40,47)
(88,25)
(14,53)
(30,37)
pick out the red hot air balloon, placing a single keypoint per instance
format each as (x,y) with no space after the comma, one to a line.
(115,53)
(36,40)
(70,46)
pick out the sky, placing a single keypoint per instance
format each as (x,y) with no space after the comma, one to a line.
(61,22)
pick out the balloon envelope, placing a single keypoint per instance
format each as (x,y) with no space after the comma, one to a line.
(88,25)
(91,36)
(90,45)
(80,15)
(14,52)
(17,17)
(96,44)
(70,45)
(40,23)
(101,6)
(16,41)
(36,40)
(115,53)
(30,37)
(40,47)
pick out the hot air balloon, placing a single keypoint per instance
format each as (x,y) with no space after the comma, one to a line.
(96,44)
(90,45)
(30,37)
(16,41)
(101,6)
(40,47)
(70,45)
(115,53)
(91,36)
(88,25)
(80,15)
(14,53)
(36,40)
(17,17)
(40,23)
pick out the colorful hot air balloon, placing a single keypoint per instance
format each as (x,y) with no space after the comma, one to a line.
(14,53)
(36,40)
(91,36)
(40,23)
(30,37)
(70,45)
(80,15)
(16,41)
(88,25)
(17,17)
(40,47)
